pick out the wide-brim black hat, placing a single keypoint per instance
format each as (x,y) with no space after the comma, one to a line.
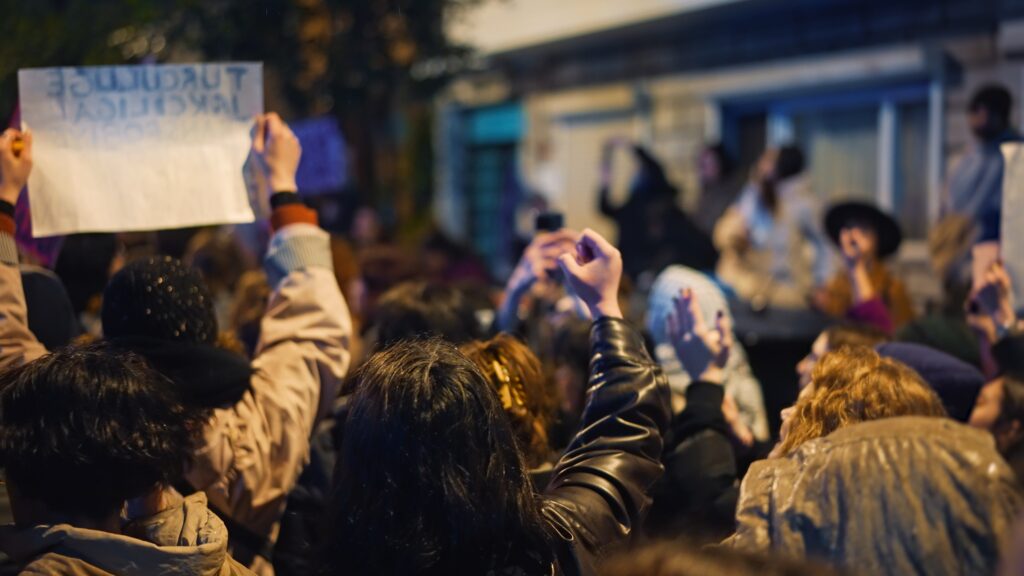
(886,228)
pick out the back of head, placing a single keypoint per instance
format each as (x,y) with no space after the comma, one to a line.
(219,257)
(421,309)
(159,297)
(848,334)
(854,384)
(84,429)
(790,162)
(426,435)
(84,266)
(516,374)
(996,100)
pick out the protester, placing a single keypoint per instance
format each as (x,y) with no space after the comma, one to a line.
(516,374)
(741,385)
(423,309)
(719,186)
(865,465)
(85,435)
(975,187)
(84,264)
(256,441)
(764,236)
(834,338)
(427,435)
(999,409)
(653,231)
(865,236)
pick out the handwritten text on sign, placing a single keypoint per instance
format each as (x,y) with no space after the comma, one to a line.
(139,147)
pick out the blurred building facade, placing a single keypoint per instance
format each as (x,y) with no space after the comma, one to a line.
(873,90)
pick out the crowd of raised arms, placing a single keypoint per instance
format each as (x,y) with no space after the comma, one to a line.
(169,407)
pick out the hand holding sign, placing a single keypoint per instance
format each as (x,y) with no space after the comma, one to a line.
(15,165)
(123,148)
(279,152)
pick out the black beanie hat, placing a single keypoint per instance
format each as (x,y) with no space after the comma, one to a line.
(159,297)
(161,309)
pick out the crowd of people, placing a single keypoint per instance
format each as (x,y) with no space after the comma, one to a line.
(169,407)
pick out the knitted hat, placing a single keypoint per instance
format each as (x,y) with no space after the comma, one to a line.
(957,383)
(161,309)
(159,297)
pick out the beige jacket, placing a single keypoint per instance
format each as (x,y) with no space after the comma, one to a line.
(253,452)
(187,539)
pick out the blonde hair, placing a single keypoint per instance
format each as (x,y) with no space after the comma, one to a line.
(518,377)
(854,384)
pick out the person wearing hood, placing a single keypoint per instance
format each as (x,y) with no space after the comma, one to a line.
(741,385)
(653,231)
(90,440)
(256,440)
(870,476)
(766,236)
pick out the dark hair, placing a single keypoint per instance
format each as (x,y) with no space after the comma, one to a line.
(996,100)
(790,162)
(1012,406)
(852,334)
(422,309)
(429,479)
(722,156)
(84,429)
(676,559)
(518,377)
(84,266)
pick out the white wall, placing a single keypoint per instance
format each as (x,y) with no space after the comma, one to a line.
(498,25)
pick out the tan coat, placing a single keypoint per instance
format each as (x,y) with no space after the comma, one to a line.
(185,540)
(898,496)
(253,452)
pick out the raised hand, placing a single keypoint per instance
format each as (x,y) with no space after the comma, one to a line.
(15,163)
(594,273)
(539,261)
(993,298)
(279,152)
(702,350)
(851,243)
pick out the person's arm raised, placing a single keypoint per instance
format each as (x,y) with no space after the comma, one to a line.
(301,357)
(17,343)
(538,263)
(600,488)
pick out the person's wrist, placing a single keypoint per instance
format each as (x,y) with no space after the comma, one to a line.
(712,374)
(10,193)
(606,308)
(282,183)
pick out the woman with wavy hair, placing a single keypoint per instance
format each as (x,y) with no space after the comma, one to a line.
(871,476)
(850,385)
(516,374)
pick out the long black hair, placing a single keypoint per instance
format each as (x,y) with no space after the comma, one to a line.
(429,479)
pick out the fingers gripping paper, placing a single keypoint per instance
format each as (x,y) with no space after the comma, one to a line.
(121,148)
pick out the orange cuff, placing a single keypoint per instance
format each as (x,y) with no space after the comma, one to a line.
(7,224)
(290,214)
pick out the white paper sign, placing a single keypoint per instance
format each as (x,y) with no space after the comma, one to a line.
(1012,241)
(122,148)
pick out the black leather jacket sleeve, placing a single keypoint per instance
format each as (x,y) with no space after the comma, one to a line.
(599,491)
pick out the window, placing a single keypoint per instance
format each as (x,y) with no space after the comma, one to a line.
(869,144)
